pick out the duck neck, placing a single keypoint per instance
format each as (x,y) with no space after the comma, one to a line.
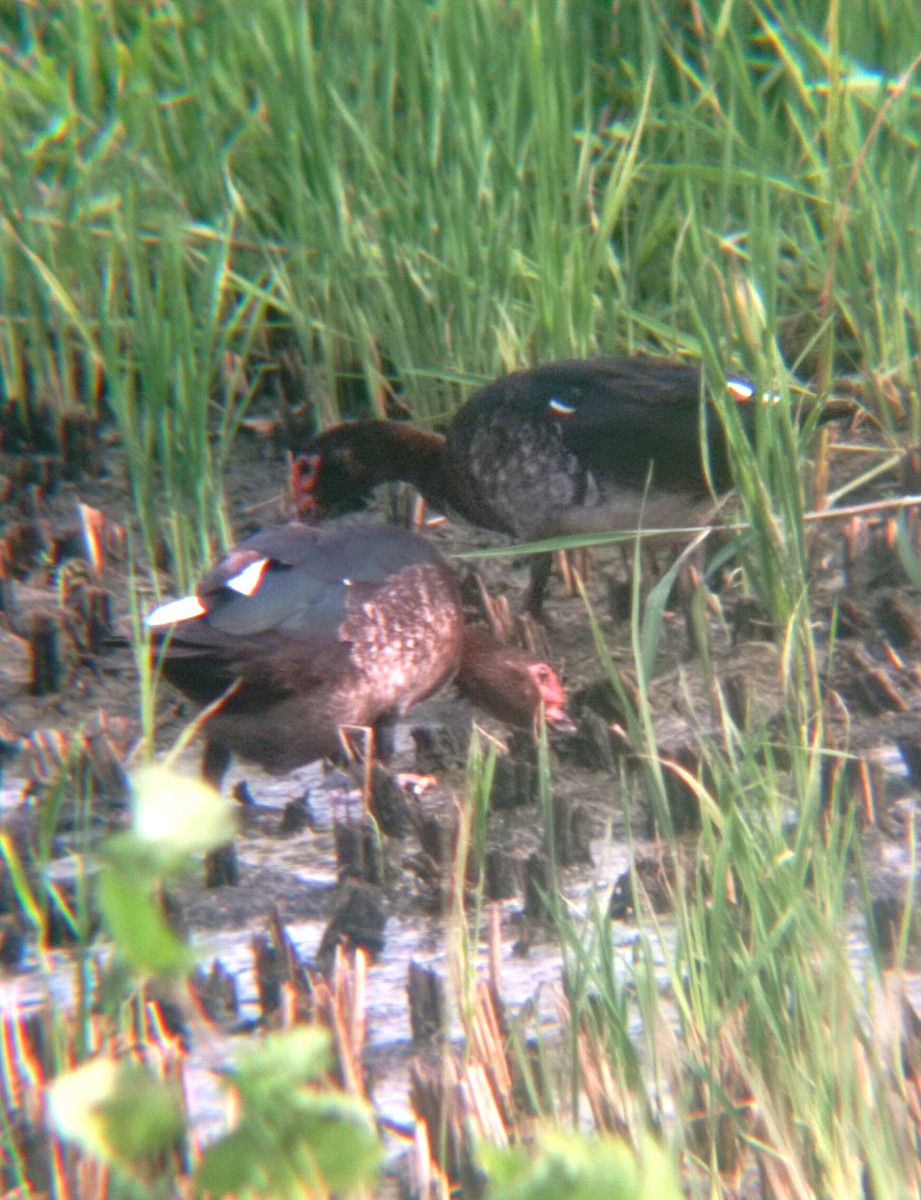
(412,456)
(491,675)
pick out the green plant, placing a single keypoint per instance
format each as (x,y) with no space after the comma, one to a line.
(295,1135)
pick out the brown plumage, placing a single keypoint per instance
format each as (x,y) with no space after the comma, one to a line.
(317,629)
(566,447)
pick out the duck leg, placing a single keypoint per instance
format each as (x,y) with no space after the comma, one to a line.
(214,763)
(541,567)
(221,863)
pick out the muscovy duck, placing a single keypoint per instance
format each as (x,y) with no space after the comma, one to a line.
(308,630)
(575,446)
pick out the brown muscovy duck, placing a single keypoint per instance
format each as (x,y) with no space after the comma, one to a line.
(322,628)
(576,446)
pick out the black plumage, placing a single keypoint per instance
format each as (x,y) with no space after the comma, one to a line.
(573,446)
(308,630)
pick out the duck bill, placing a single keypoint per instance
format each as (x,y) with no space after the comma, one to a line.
(558,718)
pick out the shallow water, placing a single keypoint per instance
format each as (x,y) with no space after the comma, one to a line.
(303,866)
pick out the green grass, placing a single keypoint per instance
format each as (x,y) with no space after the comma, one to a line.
(460,189)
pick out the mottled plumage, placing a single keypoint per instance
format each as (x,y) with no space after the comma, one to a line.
(572,446)
(317,629)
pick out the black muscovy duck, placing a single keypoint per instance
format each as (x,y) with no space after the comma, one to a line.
(308,630)
(581,445)
(576,446)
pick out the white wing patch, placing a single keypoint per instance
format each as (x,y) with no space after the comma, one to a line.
(247,582)
(740,388)
(174,611)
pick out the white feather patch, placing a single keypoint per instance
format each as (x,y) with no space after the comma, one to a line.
(561,407)
(743,390)
(247,582)
(740,388)
(173,611)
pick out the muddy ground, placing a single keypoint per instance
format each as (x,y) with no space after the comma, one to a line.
(873,693)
